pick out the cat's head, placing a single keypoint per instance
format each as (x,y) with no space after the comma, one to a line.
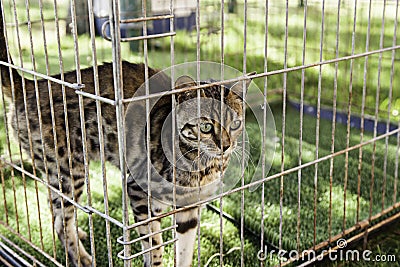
(210,119)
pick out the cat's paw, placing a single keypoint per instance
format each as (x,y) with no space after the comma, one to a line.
(82,234)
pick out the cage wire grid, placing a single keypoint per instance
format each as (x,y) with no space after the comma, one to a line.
(351,231)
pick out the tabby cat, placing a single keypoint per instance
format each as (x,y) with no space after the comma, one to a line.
(64,168)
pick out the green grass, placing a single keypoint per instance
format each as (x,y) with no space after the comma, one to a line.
(185,50)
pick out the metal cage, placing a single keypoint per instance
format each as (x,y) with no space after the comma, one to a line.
(327,69)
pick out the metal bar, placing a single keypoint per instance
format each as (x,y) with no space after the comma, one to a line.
(55,190)
(261,75)
(360,152)
(74,32)
(346,172)
(221,201)
(301,126)
(10,258)
(5,262)
(145,18)
(263,151)
(18,258)
(243,166)
(318,120)
(55,134)
(44,149)
(138,38)
(198,57)
(269,178)
(390,100)
(29,132)
(101,147)
(284,95)
(3,184)
(146,250)
(148,123)
(174,130)
(120,241)
(6,125)
(28,127)
(18,123)
(335,87)
(75,86)
(119,109)
(102,215)
(376,112)
(96,97)
(396,170)
(24,239)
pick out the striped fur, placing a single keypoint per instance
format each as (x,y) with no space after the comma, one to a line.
(61,159)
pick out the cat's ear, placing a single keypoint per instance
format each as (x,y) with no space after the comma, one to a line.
(238,89)
(184,81)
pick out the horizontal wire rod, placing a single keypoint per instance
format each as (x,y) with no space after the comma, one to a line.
(47,256)
(253,76)
(146,250)
(265,179)
(91,210)
(22,251)
(261,75)
(75,86)
(120,239)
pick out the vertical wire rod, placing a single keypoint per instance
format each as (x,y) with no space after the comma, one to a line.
(396,170)
(44,148)
(377,97)
(301,126)
(6,124)
(18,123)
(284,94)
(101,148)
(118,88)
(346,171)
(53,121)
(148,128)
(83,130)
(263,152)
(364,93)
(243,136)
(389,111)
(221,209)
(174,130)
(38,110)
(198,116)
(335,87)
(318,120)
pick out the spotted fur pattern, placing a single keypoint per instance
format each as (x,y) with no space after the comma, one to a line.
(64,167)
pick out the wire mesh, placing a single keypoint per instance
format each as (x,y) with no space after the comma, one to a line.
(324,68)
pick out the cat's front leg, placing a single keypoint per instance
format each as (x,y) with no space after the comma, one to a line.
(186,234)
(149,240)
(63,212)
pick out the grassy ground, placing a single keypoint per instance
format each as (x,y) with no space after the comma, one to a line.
(185,50)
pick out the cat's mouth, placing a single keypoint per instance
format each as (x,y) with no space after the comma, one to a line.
(219,153)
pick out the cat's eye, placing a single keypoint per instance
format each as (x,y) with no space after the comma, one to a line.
(206,127)
(236,124)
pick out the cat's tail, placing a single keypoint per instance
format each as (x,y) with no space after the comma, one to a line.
(7,74)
